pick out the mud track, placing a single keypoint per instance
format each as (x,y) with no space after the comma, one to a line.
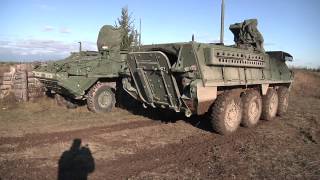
(30,140)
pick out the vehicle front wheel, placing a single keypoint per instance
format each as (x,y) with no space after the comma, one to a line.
(226,113)
(101,98)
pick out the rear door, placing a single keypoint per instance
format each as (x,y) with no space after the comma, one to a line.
(151,72)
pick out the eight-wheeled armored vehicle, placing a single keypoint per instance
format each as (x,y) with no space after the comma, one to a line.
(232,85)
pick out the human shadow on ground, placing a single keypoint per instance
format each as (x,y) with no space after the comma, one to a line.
(76,163)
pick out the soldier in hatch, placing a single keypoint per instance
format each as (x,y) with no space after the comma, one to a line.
(256,36)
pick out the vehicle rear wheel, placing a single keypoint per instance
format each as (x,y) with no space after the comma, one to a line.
(252,108)
(226,113)
(101,98)
(283,93)
(269,105)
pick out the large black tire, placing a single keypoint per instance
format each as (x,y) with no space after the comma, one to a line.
(101,98)
(283,94)
(122,97)
(226,114)
(269,105)
(252,108)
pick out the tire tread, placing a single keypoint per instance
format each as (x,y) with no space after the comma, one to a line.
(246,98)
(91,102)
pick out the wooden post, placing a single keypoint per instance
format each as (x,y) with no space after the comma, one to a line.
(24,77)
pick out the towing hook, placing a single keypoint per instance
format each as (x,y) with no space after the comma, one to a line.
(188,113)
(144,106)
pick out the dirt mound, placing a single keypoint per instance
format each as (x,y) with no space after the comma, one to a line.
(306,83)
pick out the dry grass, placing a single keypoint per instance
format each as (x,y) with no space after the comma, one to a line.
(9,102)
(5,67)
(44,115)
(307,83)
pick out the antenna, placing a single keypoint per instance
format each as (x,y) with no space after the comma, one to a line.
(80,46)
(222,22)
(140,33)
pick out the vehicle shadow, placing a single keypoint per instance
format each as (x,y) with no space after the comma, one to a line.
(76,163)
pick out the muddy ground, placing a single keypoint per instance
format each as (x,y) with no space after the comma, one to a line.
(137,145)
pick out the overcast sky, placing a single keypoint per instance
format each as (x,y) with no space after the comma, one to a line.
(46,30)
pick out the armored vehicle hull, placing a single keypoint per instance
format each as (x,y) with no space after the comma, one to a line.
(231,85)
(198,78)
(194,67)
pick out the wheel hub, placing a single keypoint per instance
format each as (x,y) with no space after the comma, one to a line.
(253,109)
(273,104)
(104,99)
(285,103)
(232,116)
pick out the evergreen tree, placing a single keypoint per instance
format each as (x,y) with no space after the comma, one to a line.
(125,22)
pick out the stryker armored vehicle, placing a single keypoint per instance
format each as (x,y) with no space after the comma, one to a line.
(87,75)
(232,85)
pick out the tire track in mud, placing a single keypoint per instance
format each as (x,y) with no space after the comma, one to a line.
(30,140)
(185,152)
(191,151)
(199,152)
